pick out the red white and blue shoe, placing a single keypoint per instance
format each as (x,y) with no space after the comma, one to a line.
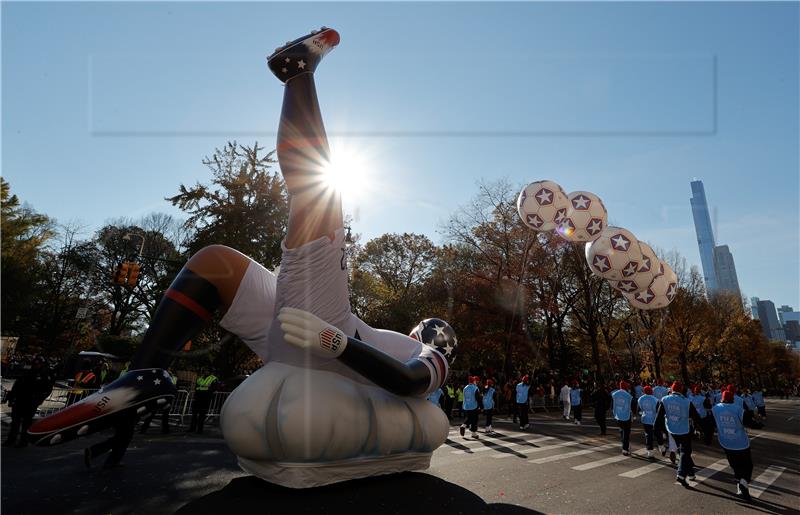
(144,390)
(303,54)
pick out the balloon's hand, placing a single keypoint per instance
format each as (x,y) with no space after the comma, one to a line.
(307,331)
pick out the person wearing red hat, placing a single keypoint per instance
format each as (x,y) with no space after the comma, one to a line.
(648,408)
(575,398)
(734,441)
(523,391)
(675,412)
(472,403)
(488,404)
(621,404)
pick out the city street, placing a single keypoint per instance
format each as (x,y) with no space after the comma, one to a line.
(555,467)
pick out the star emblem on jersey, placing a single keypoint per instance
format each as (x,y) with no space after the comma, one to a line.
(595,226)
(620,242)
(601,263)
(626,286)
(535,221)
(560,215)
(644,297)
(581,203)
(630,268)
(545,197)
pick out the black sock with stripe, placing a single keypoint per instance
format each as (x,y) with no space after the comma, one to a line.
(185,308)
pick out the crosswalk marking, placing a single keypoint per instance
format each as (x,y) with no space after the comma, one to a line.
(762,482)
(710,470)
(559,457)
(643,470)
(608,461)
(538,449)
(495,444)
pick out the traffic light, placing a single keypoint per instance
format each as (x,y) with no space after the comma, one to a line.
(121,275)
(133,274)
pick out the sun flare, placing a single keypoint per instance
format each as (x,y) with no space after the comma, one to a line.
(347,171)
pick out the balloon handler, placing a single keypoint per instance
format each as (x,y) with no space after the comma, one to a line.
(336,399)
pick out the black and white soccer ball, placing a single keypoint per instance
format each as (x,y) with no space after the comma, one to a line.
(438,334)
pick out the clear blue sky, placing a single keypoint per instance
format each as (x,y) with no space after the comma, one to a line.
(108,107)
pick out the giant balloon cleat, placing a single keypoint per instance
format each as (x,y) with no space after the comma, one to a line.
(303,54)
(143,390)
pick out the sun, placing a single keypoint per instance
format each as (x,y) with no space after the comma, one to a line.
(347,171)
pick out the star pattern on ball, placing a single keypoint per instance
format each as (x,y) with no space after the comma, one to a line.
(620,242)
(671,291)
(439,330)
(560,215)
(535,221)
(630,268)
(545,197)
(523,196)
(595,226)
(626,286)
(601,263)
(448,349)
(645,297)
(581,203)
(567,226)
(139,378)
(157,381)
(645,266)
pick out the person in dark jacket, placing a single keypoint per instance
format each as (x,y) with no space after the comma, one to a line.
(28,392)
(601,400)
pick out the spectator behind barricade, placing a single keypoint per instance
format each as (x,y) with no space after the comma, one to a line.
(28,392)
(207,383)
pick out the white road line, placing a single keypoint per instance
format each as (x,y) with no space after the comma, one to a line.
(710,470)
(564,456)
(501,444)
(607,461)
(537,449)
(640,471)
(762,482)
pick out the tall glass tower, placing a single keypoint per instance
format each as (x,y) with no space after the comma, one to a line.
(705,235)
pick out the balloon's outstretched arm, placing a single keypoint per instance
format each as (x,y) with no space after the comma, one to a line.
(417,376)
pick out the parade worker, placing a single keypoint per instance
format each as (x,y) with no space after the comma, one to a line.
(733,439)
(523,388)
(488,404)
(575,401)
(472,401)
(648,408)
(621,405)
(675,411)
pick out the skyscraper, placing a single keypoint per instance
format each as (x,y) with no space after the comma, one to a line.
(770,324)
(705,234)
(719,271)
(726,270)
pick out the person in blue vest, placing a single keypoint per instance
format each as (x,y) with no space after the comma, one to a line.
(733,439)
(648,409)
(676,411)
(621,406)
(472,403)
(488,404)
(575,397)
(638,390)
(436,397)
(761,406)
(523,389)
(702,404)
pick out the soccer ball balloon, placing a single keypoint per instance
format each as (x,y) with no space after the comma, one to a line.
(649,269)
(541,205)
(438,334)
(660,292)
(615,255)
(586,217)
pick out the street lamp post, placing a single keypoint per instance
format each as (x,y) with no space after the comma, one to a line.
(127,237)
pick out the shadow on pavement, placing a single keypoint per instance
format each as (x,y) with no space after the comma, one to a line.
(410,492)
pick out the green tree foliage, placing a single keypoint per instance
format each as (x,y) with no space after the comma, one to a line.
(23,234)
(244,206)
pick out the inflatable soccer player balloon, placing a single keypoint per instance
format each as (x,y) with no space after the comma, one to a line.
(615,255)
(541,205)
(585,219)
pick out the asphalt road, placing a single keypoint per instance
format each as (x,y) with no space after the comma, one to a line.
(556,467)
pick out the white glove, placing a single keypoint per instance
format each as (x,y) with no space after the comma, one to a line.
(307,331)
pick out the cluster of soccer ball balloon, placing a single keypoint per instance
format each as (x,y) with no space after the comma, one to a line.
(613,253)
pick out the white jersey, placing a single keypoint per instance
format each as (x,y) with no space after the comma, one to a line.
(564,396)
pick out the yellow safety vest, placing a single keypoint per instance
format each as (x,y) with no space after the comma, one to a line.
(203,383)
